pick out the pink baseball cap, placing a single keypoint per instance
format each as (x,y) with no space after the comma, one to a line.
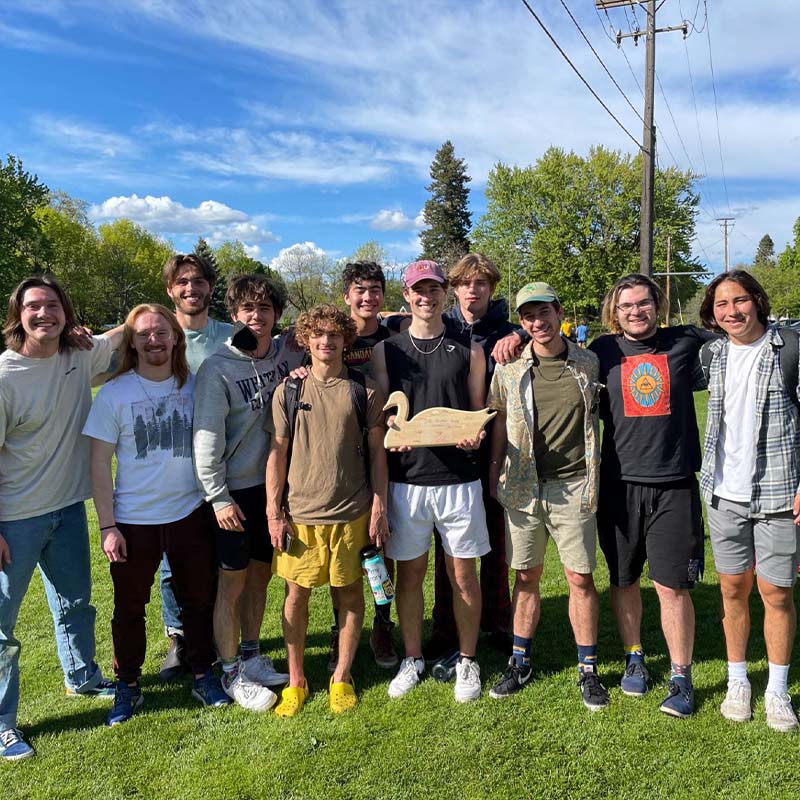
(423,271)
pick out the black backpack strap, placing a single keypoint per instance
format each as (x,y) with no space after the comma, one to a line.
(789,355)
(358,394)
(291,398)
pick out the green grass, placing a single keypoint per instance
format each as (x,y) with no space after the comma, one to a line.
(542,743)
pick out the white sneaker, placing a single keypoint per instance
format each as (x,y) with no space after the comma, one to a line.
(260,669)
(780,714)
(408,676)
(248,694)
(736,705)
(468,681)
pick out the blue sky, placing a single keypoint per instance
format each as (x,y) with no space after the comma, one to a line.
(314,123)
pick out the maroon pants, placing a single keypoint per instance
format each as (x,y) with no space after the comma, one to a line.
(495,596)
(189,546)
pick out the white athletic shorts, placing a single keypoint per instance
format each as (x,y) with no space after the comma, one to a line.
(456,510)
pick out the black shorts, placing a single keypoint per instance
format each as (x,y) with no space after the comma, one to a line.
(659,522)
(235,549)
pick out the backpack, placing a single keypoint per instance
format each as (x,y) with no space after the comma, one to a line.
(788,355)
(358,395)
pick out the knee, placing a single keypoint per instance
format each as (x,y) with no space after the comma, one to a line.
(776,598)
(527,580)
(231,584)
(580,582)
(464,575)
(735,588)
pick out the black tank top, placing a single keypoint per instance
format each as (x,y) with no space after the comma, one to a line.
(428,381)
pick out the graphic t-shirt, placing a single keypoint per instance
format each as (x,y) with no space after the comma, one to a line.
(151,424)
(201,344)
(361,351)
(650,427)
(327,480)
(44,460)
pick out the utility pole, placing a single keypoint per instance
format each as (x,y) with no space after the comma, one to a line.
(669,257)
(727,224)
(649,130)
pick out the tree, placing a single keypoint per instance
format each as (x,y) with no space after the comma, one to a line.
(446,214)
(765,254)
(574,222)
(310,276)
(22,245)
(372,251)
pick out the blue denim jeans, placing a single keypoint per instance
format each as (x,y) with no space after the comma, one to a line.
(170,610)
(59,543)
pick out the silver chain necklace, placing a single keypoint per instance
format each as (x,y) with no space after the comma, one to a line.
(427,352)
(156,403)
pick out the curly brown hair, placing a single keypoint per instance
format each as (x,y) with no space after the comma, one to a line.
(255,289)
(176,262)
(328,317)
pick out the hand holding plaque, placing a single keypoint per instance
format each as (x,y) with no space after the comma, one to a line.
(433,427)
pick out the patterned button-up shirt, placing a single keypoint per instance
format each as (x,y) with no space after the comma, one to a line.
(513,393)
(776,472)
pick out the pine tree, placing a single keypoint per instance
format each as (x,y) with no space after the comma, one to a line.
(765,253)
(446,238)
(217,306)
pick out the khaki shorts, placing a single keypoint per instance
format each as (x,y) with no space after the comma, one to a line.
(322,554)
(557,514)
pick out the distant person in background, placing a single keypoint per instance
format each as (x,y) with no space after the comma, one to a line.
(750,481)
(568,330)
(45,395)
(151,505)
(190,281)
(582,333)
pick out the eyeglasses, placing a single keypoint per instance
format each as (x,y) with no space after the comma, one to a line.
(643,305)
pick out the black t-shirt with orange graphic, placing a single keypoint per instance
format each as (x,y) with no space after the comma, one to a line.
(650,427)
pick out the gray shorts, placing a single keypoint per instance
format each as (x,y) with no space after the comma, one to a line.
(739,540)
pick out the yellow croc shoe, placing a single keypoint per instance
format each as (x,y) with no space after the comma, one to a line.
(293,698)
(342,696)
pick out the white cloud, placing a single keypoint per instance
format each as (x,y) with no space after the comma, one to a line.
(213,220)
(83,138)
(386,220)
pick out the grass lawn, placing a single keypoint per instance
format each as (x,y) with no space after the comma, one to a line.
(542,743)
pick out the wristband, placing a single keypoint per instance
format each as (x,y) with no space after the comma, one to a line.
(108,527)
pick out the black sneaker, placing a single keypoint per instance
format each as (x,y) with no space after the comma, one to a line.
(514,679)
(593,693)
(680,700)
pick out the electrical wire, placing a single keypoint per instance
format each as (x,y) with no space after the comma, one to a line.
(602,63)
(578,73)
(716,111)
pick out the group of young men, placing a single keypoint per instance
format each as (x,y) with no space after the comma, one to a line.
(226,472)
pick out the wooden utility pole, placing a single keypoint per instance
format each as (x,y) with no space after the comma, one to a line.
(649,130)
(725,222)
(669,256)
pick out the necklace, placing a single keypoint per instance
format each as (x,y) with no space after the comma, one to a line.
(558,377)
(157,404)
(426,352)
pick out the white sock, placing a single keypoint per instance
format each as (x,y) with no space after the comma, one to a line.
(737,672)
(778,682)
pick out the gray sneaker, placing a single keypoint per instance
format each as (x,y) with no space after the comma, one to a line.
(780,714)
(736,705)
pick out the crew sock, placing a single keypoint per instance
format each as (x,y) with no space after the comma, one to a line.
(737,672)
(521,650)
(587,658)
(778,682)
(250,649)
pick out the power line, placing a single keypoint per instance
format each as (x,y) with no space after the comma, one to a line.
(602,63)
(577,72)
(716,111)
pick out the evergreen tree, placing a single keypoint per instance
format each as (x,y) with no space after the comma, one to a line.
(446,238)
(765,253)
(217,306)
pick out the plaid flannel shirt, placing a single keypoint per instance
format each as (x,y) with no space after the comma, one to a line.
(512,393)
(776,473)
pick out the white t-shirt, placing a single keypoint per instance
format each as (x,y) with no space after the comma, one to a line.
(736,443)
(151,424)
(44,460)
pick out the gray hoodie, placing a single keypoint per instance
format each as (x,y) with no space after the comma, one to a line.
(233,395)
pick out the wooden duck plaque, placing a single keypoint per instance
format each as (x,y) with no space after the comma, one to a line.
(433,427)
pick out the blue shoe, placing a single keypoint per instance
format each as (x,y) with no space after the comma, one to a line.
(126,700)
(208,690)
(680,700)
(12,746)
(634,681)
(104,689)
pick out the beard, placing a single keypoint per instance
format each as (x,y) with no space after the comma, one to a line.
(192,311)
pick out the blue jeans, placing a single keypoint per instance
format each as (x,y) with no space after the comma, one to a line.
(170,610)
(59,543)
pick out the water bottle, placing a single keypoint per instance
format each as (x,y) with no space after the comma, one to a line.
(377,575)
(444,669)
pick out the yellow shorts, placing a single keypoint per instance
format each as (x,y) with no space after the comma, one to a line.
(323,554)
